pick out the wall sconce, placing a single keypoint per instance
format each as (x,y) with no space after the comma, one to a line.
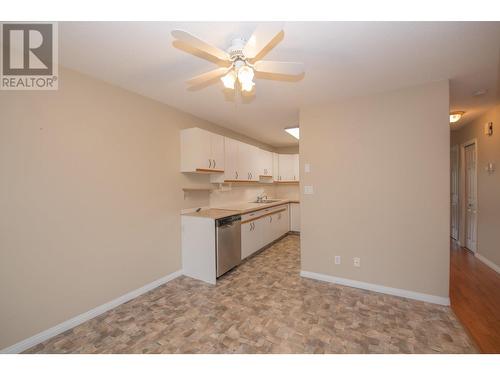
(490,168)
(488,129)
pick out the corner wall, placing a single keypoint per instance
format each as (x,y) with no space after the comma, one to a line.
(380,173)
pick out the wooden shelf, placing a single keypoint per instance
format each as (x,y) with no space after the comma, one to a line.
(197,189)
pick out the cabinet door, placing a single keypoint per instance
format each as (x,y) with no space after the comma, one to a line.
(283,222)
(275,166)
(254,162)
(265,163)
(217,151)
(295,217)
(268,229)
(247,240)
(285,167)
(251,238)
(243,163)
(195,150)
(230,159)
(295,167)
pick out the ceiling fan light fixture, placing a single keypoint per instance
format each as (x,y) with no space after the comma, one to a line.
(294,131)
(245,76)
(229,80)
(455,116)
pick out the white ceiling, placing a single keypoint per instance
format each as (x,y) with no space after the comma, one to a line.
(342,59)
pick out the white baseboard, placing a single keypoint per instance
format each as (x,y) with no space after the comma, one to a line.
(82,318)
(488,262)
(377,288)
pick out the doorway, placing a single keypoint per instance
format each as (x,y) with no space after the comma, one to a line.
(454,185)
(470,195)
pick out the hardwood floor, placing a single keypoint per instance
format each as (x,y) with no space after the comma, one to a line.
(475,298)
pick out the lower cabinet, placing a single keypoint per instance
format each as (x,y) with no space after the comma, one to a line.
(260,232)
(295,217)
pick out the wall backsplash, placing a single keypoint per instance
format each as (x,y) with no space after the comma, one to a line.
(238,193)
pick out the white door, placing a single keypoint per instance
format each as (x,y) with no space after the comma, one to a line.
(454,157)
(470,197)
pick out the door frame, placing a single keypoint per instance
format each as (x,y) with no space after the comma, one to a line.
(455,149)
(461,196)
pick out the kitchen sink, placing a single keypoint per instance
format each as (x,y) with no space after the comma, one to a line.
(266,201)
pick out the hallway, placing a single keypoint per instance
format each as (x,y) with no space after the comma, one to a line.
(475,298)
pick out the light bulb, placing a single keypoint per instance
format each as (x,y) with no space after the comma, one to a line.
(247,86)
(229,79)
(455,116)
(245,76)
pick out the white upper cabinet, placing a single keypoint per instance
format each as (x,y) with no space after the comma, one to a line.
(201,151)
(288,167)
(231,160)
(275,166)
(265,163)
(241,161)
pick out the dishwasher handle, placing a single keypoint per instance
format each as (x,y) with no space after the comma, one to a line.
(228,221)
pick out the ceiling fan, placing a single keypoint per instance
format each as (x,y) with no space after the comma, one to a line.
(242,58)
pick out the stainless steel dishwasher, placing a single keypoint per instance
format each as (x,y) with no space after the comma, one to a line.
(228,243)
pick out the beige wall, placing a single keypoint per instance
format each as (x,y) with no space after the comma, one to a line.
(380,172)
(488,185)
(90,196)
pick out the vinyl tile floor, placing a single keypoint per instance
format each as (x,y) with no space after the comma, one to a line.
(264,306)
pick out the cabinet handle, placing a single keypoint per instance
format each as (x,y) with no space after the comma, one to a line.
(209,163)
(270,219)
(251,175)
(215,163)
(236,175)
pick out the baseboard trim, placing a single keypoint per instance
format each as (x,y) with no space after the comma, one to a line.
(82,318)
(377,288)
(488,262)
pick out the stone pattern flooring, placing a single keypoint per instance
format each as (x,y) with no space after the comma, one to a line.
(264,306)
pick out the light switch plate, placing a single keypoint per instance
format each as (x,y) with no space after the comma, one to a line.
(307,167)
(337,259)
(308,189)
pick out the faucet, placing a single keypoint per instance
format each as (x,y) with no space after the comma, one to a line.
(260,198)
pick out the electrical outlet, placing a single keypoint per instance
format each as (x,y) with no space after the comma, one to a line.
(307,167)
(337,259)
(357,262)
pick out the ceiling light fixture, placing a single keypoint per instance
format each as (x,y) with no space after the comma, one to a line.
(229,80)
(455,116)
(245,76)
(294,132)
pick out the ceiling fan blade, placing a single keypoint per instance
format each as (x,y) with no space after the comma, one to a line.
(278,67)
(200,44)
(261,38)
(216,73)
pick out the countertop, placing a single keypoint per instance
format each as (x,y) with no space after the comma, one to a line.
(239,208)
